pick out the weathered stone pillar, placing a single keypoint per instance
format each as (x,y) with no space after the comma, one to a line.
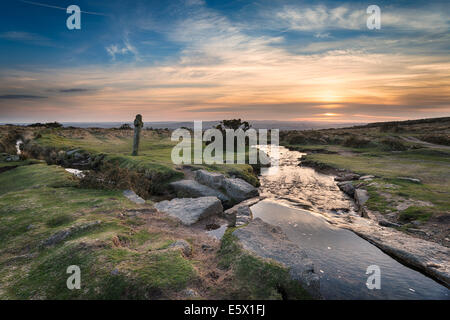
(138,124)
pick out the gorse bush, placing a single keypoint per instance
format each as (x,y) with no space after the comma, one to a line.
(356,142)
(112,177)
(442,139)
(393,144)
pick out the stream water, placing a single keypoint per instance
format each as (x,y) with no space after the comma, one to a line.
(18,146)
(340,257)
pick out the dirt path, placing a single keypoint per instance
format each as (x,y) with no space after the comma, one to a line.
(424,143)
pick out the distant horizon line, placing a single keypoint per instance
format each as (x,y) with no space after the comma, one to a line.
(250,120)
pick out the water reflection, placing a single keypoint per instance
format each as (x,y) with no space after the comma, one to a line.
(301,186)
(341,258)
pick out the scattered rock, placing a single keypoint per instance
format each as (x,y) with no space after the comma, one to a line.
(385,223)
(191,210)
(64,234)
(190,293)
(77,173)
(211,179)
(243,215)
(231,214)
(239,190)
(347,177)
(347,187)
(191,188)
(183,245)
(213,184)
(415,180)
(219,232)
(392,215)
(361,197)
(72,152)
(132,196)
(13,158)
(367,177)
(212,226)
(417,231)
(269,242)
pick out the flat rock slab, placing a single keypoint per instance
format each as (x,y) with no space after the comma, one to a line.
(191,188)
(347,187)
(231,214)
(415,180)
(238,189)
(429,257)
(191,210)
(211,179)
(269,242)
(132,196)
(77,173)
(361,197)
(367,177)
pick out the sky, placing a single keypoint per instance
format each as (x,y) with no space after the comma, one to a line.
(184,60)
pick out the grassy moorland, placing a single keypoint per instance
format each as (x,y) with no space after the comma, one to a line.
(107,150)
(390,152)
(50,220)
(123,249)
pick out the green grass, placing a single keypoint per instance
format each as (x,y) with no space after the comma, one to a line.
(154,152)
(431,166)
(59,220)
(37,201)
(35,176)
(415,213)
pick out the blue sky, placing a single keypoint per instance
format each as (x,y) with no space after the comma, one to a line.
(196,59)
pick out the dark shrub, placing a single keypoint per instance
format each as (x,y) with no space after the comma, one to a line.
(298,139)
(356,142)
(59,220)
(112,177)
(393,144)
(125,126)
(437,139)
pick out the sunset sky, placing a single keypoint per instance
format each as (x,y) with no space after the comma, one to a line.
(212,60)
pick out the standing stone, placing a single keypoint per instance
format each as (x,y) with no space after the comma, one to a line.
(138,124)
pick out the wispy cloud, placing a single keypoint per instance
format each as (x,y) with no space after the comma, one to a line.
(28,38)
(225,69)
(351,17)
(20,97)
(127,48)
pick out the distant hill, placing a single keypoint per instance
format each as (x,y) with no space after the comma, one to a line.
(257,124)
(406,122)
